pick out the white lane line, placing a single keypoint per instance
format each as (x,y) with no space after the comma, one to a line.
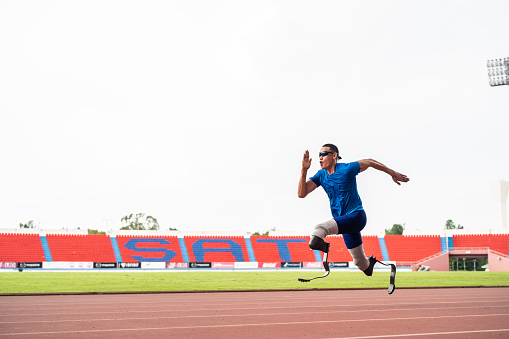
(242,315)
(291,306)
(342,321)
(185,303)
(424,334)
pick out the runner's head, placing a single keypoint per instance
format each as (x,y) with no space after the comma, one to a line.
(329,155)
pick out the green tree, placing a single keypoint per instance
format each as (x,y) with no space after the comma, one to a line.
(266,233)
(29,224)
(95,232)
(396,229)
(139,221)
(449,225)
(152,223)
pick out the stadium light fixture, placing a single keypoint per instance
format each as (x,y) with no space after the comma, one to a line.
(498,72)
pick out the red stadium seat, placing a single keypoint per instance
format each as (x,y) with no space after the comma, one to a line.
(149,248)
(495,242)
(72,247)
(216,248)
(412,248)
(339,253)
(98,248)
(282,248)
(21,248)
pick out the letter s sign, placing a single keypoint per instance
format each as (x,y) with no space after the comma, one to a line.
(168,254)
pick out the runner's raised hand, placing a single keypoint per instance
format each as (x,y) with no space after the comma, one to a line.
(306,161)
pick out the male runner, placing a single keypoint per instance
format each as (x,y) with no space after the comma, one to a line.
(349,218)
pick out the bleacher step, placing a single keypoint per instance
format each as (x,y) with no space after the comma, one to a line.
(383,247)
(450,243)
(45,248)
(249,248)
(116,250)
(183,249)
(443,244)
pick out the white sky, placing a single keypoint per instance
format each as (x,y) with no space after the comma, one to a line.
(198,112)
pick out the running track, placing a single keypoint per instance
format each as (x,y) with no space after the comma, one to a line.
(421,313)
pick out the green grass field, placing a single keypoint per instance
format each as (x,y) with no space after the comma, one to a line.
(58,282)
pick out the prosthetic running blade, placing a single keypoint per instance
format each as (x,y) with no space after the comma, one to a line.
(392,287)
(327,270)
(392,280)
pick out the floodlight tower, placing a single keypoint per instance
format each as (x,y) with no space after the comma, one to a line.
(498,72)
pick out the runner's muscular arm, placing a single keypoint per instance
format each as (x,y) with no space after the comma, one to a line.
(305,187)
(396,177)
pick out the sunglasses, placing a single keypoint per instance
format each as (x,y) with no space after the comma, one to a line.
(324,154)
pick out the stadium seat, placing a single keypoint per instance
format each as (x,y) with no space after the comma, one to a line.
(408,249)
(403,249)
(282,248)
(81,247)
(16,247)
(216,248)
(149,248)
(495,242)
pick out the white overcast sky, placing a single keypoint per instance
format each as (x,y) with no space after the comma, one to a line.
(198,112)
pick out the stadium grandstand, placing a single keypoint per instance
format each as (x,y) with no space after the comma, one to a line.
(176,250)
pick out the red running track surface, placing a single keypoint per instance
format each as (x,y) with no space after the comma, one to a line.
(423,313)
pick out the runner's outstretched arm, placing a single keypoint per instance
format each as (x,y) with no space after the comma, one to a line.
(396,177)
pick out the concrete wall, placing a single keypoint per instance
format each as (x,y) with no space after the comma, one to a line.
(497,262)
(438,263)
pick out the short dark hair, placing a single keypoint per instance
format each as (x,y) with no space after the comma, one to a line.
(333,148)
